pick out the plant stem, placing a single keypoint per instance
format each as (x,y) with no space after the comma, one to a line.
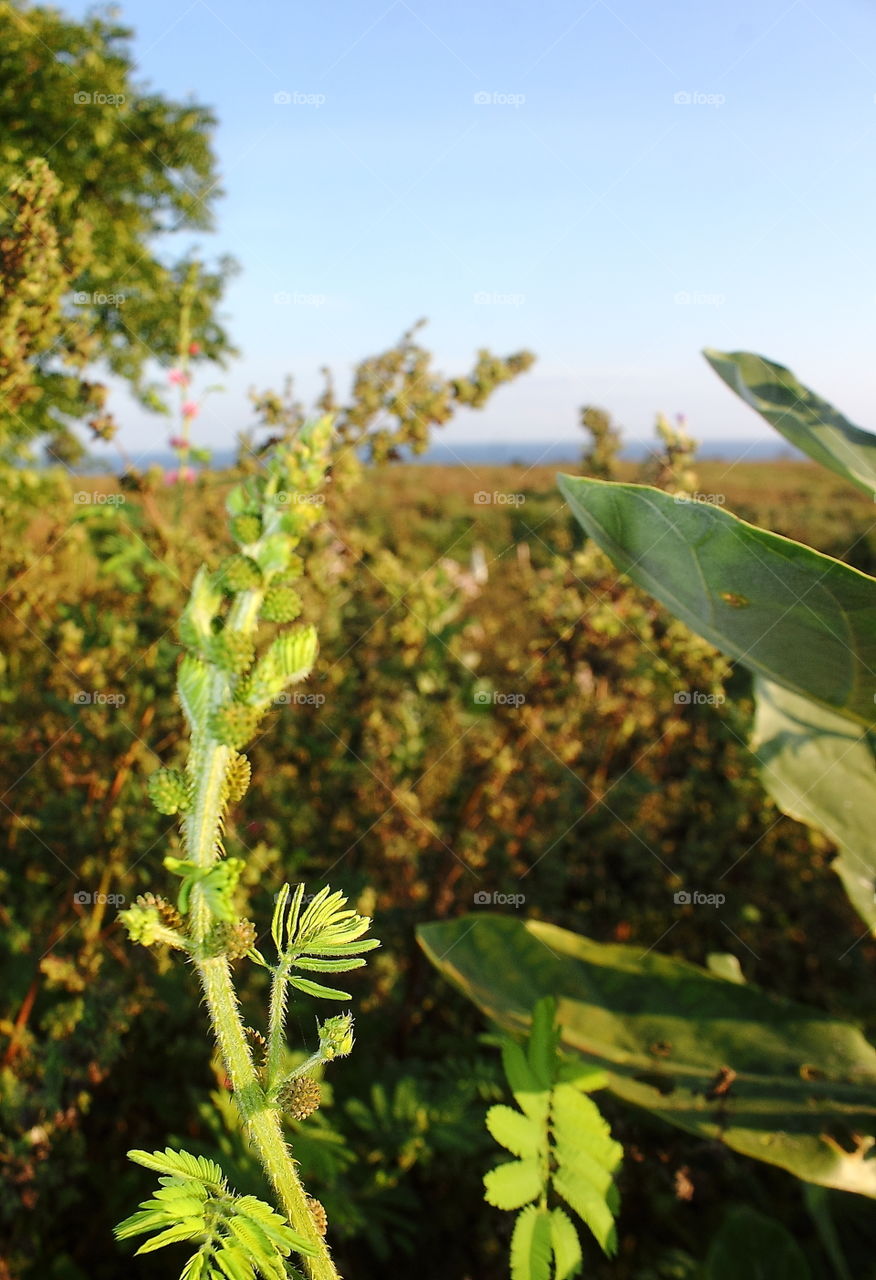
(262,1121)
(202,831)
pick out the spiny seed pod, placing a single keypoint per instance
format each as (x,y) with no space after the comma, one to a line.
(300,1097)
(281,604)
(237,778)
(318,1213)
(232,651)
(169,914)
(239,573)
(246,529)
(232,940)
(235,724)
(168,790)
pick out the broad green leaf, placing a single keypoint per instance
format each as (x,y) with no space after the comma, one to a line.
(512,1185)
(531,1245)
(665,1032)
(750,1244)
(820,769)
(810,423)
(516,1132)
(793,615)
(566,1245)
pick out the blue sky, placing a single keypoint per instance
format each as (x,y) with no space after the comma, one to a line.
(582,210)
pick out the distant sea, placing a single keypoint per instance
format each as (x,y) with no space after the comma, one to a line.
(483,452)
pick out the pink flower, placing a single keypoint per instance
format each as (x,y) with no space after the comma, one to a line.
(177,442)
(178,377)
(194,348)
(185,475)
(190,409)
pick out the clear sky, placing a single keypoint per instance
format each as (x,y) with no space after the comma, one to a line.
(583,210)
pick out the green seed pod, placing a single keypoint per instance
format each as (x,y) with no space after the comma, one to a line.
(318,1213)
(246,529)
(237,778)
(300,1096)
(235,724)
(168,790)
(281,604)
(232,651)
(169,914)
(239,573)
(233,940)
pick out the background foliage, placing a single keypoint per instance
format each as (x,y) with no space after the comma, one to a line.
(417,789)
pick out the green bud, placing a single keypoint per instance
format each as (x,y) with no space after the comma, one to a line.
(168,790)
(336,1037)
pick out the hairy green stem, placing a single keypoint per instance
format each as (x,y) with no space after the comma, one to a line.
(202,830)
(262,1121)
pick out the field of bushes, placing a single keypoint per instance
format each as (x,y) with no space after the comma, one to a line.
(439,761)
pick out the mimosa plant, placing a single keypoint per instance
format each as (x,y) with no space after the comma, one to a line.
(227,682)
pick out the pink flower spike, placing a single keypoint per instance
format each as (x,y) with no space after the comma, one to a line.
(185,475)
(177,442)
(178,377)
(190,409)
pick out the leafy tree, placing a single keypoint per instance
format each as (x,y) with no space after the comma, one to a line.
(130,166)
(395,400)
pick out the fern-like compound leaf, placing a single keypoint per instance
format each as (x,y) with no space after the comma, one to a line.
(564,1148)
